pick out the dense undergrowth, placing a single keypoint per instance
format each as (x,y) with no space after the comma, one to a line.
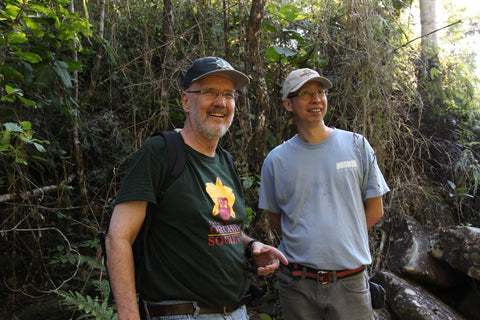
(82,89)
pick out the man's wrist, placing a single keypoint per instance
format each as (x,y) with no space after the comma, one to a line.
(248,249)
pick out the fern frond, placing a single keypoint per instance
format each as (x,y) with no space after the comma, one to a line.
(93,308)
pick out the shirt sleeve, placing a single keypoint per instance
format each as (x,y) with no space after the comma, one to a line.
(375,184)
(144,176)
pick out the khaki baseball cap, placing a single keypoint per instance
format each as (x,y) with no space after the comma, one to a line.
(297,78)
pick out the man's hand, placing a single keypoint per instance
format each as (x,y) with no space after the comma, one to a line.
(266,258)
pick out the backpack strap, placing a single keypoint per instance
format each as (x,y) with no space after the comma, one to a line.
(175,147)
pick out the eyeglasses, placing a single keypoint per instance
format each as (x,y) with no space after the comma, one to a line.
(212,94)
(308,94)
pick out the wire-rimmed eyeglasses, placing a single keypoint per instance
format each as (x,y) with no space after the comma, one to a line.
(309,94)
(212,94)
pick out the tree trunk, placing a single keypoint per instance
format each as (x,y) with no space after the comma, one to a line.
(259,83)
(98,56)
(242,112)
(226,22)
(428,25)
(428,83)
(76,137)
(166,54)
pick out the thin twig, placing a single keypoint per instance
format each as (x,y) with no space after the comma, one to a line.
(77,266)
(427,34)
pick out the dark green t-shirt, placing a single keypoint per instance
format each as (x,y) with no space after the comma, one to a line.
(194,241)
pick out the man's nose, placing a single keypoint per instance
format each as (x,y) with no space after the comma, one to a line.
(220,99)
(316,97)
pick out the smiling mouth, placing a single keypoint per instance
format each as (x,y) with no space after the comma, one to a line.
(217,114)
(315,110)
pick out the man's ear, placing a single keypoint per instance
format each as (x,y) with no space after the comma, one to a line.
(287,103)
(185,102)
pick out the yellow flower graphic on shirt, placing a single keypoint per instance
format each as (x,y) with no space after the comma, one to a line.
(223,197)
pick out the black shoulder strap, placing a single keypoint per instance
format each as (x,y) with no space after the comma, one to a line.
(176,157)
(175,148)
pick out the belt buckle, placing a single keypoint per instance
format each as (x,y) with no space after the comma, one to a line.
(225,312)
(196,309)
(320,274)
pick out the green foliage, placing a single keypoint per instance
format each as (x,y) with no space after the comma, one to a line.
(36,67)
(91,308)
(264,316)
(14,138)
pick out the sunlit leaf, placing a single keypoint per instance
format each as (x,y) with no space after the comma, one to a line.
(11,11)
(28,56)
(17,37)
(26,125)
(12,127)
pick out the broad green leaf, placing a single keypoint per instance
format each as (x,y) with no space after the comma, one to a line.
(9,89)
(28,56)
(12,127)
(284,51)
(61,68)
(73,65)
(271,55)
(39,147)
(26,139)
(291,13)
(41,9)
(8,99)
(11,11)
(17,37)
(19,159)
(269,26)
(66,33)
(35,27)
(26,125)
(28,102)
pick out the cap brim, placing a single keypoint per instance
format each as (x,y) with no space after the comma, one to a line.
(239,79)
(324,81)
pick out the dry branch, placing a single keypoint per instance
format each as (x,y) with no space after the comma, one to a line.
(28,194)
(427,34)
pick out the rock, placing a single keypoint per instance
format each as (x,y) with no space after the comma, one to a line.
(409,255)
(408,301)
(459,247)
(381,314)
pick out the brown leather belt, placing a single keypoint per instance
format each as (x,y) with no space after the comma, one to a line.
(299,271)
(192,308)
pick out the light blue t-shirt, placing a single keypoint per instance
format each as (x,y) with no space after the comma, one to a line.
(319,189)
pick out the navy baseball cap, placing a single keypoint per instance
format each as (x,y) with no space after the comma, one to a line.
(212,65)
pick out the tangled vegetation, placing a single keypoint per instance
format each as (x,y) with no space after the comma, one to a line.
(83,84)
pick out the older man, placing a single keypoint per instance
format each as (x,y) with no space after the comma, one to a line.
(195,241)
